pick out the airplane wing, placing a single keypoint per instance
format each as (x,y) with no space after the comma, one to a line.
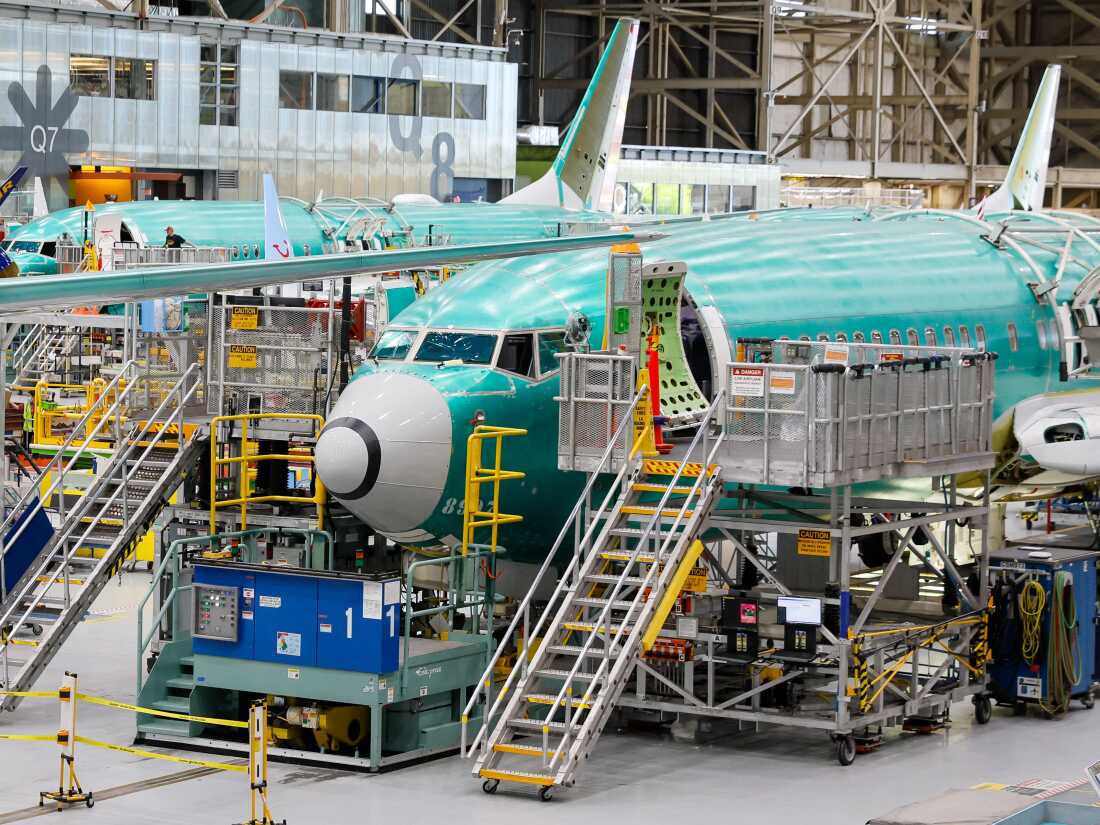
(36,292)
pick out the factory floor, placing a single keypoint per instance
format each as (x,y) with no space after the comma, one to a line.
(638,776)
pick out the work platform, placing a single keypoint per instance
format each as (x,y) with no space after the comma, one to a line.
(636,621)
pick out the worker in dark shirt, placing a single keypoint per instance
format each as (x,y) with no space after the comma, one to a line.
(172,240)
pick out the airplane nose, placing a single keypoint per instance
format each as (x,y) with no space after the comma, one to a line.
(384,451)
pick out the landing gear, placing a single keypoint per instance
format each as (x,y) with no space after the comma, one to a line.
(546,793)
(845,750)
(983,709)
(490,785)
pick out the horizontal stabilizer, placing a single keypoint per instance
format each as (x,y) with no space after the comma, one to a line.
(96,288)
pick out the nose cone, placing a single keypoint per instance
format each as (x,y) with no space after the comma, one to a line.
(385,450)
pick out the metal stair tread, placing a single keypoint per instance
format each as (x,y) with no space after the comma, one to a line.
(611,578)
(556,673)
(173,704)
(575,650)
(535,724)
(517,776)
(181,682)
(550,698)
(596,601)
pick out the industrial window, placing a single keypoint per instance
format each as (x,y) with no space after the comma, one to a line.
(718,199)
(295,90)
(435,98)
(469,101)
(135,79)
(964,335)
(550,343)
(517,354)
(402,97)
(912,337)
(744,197)
(368,95)
(803,337)
(876,337)
(332,92)
(1013,337)
(219,85)
(895,337)
(948,337)
(90,75)
(692,198)
(930,336)
(858,338)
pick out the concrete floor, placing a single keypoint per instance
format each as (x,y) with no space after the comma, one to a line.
(772,777)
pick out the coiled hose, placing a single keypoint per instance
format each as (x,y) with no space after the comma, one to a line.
(1033,598)
(1063,661)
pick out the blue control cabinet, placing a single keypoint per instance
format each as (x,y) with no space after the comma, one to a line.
(1016,680)
(303,618)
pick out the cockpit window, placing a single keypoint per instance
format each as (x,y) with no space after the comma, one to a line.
(550,343)
(468,347)
(517,354)
(394,344)
(25,246)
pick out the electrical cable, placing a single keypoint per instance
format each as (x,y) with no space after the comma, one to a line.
(1033,599)
(1063,661)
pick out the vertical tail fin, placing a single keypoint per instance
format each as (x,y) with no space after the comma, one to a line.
(276,239)
(583,173)
(8,186)
(1025,183)
(40,208)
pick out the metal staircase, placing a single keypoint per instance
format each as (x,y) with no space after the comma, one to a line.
(152,451)
(628,565)
(40,353)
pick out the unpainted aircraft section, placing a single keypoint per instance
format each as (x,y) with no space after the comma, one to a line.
(404,480)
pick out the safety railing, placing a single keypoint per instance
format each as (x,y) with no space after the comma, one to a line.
(596,390)
(171,566)
(128,256)
(244,495)
(613,666)
(108,405)
(473,516)
(119,473)
(809,420)
(583,526)
(45,412)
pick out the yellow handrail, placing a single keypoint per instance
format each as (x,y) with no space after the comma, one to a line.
(473,517)
(244,497)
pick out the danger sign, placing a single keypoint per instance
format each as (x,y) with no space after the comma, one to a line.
(814,543)
(747,381)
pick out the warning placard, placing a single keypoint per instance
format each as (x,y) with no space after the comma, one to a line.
(242,356)
(836,354)
(781,382)
(890,357)
(244,317)
(814,543)
(747,381)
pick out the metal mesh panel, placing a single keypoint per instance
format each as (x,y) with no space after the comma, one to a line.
(596,391)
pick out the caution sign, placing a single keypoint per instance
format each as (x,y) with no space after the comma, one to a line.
(244,317)
(747,381)
(815,543)
(891,357)
(781,382)
(242,356)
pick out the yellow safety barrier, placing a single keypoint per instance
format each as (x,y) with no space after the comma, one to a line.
(244,496)
(473,517)
(69,790)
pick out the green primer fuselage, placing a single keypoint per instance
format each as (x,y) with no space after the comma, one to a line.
(796,272)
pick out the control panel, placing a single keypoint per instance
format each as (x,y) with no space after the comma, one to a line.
(215,612)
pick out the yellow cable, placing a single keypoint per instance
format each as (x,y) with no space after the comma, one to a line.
(1033,599)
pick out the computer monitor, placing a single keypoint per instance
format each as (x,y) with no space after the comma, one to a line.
(799,610)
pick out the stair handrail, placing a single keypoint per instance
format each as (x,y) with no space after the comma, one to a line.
(59,456)
(523,611)
(27,347)
(121,461)
(611,641)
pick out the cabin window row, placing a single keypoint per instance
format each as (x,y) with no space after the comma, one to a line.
(128,78)
(928,337)
(363,94)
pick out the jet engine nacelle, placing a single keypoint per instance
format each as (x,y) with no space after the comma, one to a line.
(1061,432)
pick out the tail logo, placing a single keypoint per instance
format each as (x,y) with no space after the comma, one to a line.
(282,249)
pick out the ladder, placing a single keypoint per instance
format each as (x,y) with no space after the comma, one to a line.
(40,353)
(149,460)
(608,607)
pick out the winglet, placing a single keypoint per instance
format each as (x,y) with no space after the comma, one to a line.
(583,173)
(8,186)
(276,238)
(1025,183)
